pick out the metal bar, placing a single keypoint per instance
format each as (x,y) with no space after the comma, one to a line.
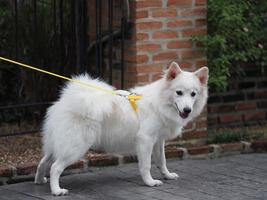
(73,35)
(16,28)
(61,27)
(85,35)
(123,23)
(80,30)
(88,22)
(34,14)
(36,36)
(100,38)
(19,133)
(97,11)
(55,17)
(78,37)
(24,105)
(110,20)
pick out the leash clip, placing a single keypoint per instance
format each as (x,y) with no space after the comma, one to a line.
(133,97)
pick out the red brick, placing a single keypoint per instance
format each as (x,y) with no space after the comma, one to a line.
(102,160)
(213,120)
(185,64)
(201,22)
(201,2)
(179,3)
(194,32)
(148,25)
(200,150)
(172,152)
(190,54)
(195,134)
(5,171)
(230,118)
(259,146)
(77,165)
(261,94)
(194,12)
(142,36)
(179,44)
(226,108)
(141,14)
(179,23)
(232,147)
(139,78)
(156,76)
(201,124)
(164,12)
(136,58)
(142,78)
(146,68)
(25,169)
(201,63)
(246,106)
(213,109)
(164,34)
(189,125)
(165,56)
(148,47)
(148,3)
(255,115)
(141,58)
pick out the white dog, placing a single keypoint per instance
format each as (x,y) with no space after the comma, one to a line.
(85,118)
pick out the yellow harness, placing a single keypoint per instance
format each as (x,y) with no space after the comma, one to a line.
(132,97)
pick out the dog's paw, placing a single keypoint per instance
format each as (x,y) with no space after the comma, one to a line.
(154,182)
(60,192)
(39,182)
(171,176)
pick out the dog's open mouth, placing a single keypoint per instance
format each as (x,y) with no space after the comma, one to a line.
(183,115)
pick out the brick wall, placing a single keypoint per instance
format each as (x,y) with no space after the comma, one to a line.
(160,33)
(244,103)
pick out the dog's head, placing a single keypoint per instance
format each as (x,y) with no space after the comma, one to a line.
(186,91)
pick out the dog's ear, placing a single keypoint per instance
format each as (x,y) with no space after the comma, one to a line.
(203,75)
(173,71)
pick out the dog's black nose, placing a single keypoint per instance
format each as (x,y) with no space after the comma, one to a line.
(187,110)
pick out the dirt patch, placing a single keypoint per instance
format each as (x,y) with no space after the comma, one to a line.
(18,150)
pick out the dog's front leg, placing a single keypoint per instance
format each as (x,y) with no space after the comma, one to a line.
(144,151)
(160,160)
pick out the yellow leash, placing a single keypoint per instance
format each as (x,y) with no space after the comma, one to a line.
(131,97)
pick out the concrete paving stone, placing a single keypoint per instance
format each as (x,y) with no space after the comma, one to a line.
(11,195)
(239,177)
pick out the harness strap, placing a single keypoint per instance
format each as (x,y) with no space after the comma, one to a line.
(132,97)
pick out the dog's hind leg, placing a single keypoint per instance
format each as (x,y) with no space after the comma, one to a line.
(41,170)
(56,169)
(63,161)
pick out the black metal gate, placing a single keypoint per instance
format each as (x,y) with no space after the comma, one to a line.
(66,37)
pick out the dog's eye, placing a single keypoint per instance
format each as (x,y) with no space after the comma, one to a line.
(193,94)
(179,93)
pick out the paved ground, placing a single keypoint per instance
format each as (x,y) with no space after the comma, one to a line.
(241,177)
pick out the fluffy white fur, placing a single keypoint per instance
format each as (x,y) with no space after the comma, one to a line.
(85,118)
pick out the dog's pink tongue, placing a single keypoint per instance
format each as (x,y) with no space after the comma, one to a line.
(184,115)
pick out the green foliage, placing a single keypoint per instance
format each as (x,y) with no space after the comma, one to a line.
(232,135)
(237,33)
